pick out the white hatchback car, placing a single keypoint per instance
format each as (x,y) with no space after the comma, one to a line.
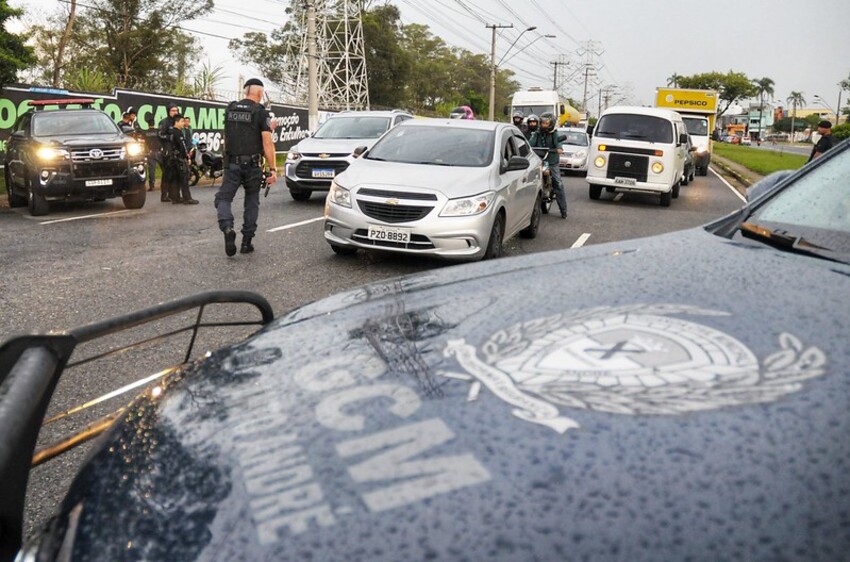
(454,189)
(575,144)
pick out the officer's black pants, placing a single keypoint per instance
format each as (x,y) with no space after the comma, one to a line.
(249,176)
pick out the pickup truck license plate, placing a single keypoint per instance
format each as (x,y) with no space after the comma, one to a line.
(625,181)
(324,173)
(400,235)
(95,183)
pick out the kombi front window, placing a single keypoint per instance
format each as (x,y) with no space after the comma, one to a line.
(638,127)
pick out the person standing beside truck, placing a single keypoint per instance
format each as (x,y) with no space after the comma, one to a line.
(825,142)
(547,137)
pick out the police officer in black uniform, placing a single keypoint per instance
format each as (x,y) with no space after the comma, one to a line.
(247,139)
(165,126)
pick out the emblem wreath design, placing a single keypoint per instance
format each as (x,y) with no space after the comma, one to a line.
(650,364)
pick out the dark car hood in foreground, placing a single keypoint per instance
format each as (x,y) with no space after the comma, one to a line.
(679,397)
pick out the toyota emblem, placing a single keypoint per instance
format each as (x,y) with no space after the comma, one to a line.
(95,154)
(628,164)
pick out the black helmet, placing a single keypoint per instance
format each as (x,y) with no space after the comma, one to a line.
(531,118)
(518,115)
(547,122)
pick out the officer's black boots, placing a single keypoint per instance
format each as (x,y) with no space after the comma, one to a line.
(246,248)
(230,242)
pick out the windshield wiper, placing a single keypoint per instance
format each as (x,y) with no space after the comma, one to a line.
(784,240)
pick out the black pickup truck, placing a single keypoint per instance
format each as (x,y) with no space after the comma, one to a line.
(71,154)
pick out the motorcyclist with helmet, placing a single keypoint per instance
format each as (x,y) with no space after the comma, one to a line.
(546,136)
(531,125)
(519,122)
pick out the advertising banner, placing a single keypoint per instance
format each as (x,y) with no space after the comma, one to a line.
(207,117)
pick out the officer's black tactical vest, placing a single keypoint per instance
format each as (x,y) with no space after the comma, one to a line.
(242,128)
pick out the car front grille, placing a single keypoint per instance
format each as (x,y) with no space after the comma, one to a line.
(393,213)
(397,194)
(100,170)
(627,166)
(305,168)
(79,155)
(417,241)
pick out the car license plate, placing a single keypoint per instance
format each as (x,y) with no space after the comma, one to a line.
(324,173)
(625,181)
(401,235)
(95,183)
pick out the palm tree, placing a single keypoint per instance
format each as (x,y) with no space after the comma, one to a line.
(674,80)
(764,86)
(795,99)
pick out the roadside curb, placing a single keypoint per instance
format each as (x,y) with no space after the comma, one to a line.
(744,177)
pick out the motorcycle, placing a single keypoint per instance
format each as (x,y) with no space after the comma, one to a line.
(548,192)
(205,163)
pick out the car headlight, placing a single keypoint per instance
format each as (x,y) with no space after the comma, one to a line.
(702,149)
(599,162)
(293,155)
(657,167)
(135,148)
(467,206)
(339,195)
(581,154)
(49,153)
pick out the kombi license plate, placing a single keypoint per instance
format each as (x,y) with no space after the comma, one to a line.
(383,233)
(95,183)
(323,173)
(625,181)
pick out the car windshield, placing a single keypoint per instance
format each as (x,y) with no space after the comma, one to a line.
(696,126)
(437,146)
(578,139)
(537,110)
(353,127)
(71,123)
(815,207)
(639,127)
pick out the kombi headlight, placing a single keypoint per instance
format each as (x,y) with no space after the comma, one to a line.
(49,153)
(135,148)
(702,149)
(339,195)
(657,167)
(599,161)
(467,206)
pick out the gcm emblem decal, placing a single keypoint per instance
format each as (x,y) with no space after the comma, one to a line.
(628,360)
(95,154)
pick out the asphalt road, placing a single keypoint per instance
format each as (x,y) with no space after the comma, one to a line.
(85,263)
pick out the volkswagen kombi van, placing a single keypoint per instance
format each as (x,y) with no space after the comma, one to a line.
(638,149)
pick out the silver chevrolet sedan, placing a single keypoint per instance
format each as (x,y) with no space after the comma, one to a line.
(453,189)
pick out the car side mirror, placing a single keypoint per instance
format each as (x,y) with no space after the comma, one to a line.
(516,164)
(20,134)
(683,138)
(506,110)
(358,152)
(562,138)
(590,130)
(562,110)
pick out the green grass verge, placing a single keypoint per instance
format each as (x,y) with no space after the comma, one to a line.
(762,162)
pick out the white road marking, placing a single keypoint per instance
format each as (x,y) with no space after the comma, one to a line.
(618,197)
(729,185)
(581,240)
(97,216)
(293,225)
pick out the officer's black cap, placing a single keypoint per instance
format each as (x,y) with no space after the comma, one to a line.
(254,82)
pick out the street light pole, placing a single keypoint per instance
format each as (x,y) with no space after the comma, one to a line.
(491,111)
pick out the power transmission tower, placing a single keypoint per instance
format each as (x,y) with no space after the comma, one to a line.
(589,50)
(340,55)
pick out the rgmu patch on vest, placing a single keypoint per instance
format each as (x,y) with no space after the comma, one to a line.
(240,116)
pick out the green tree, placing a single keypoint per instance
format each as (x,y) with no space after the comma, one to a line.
(14,54)
(731,87)
(673,80)
(794,99)
(763,86)
(388,65)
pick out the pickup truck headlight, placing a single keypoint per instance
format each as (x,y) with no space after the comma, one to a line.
(49,153)
(339,195)
(467,206)
(135,148)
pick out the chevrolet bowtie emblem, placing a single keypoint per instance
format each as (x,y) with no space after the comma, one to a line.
(324,155)
(392,201)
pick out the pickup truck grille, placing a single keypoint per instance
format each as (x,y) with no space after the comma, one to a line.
(97,154)
(627,166)
(100,169)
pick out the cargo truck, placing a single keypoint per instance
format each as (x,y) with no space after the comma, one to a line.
(698,109)
(539,101)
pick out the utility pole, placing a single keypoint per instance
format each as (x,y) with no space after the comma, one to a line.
(312,69)
(556,64)
(491,112)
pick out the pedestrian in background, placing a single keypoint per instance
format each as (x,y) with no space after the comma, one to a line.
(153,146)
(248,138)
(165,127)
(825,142)
(128,123)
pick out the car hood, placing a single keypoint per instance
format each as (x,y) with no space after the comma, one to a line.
(682,396)
(332,146)
(452,181)
(85,140)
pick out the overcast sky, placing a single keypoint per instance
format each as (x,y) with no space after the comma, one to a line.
(802,46)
